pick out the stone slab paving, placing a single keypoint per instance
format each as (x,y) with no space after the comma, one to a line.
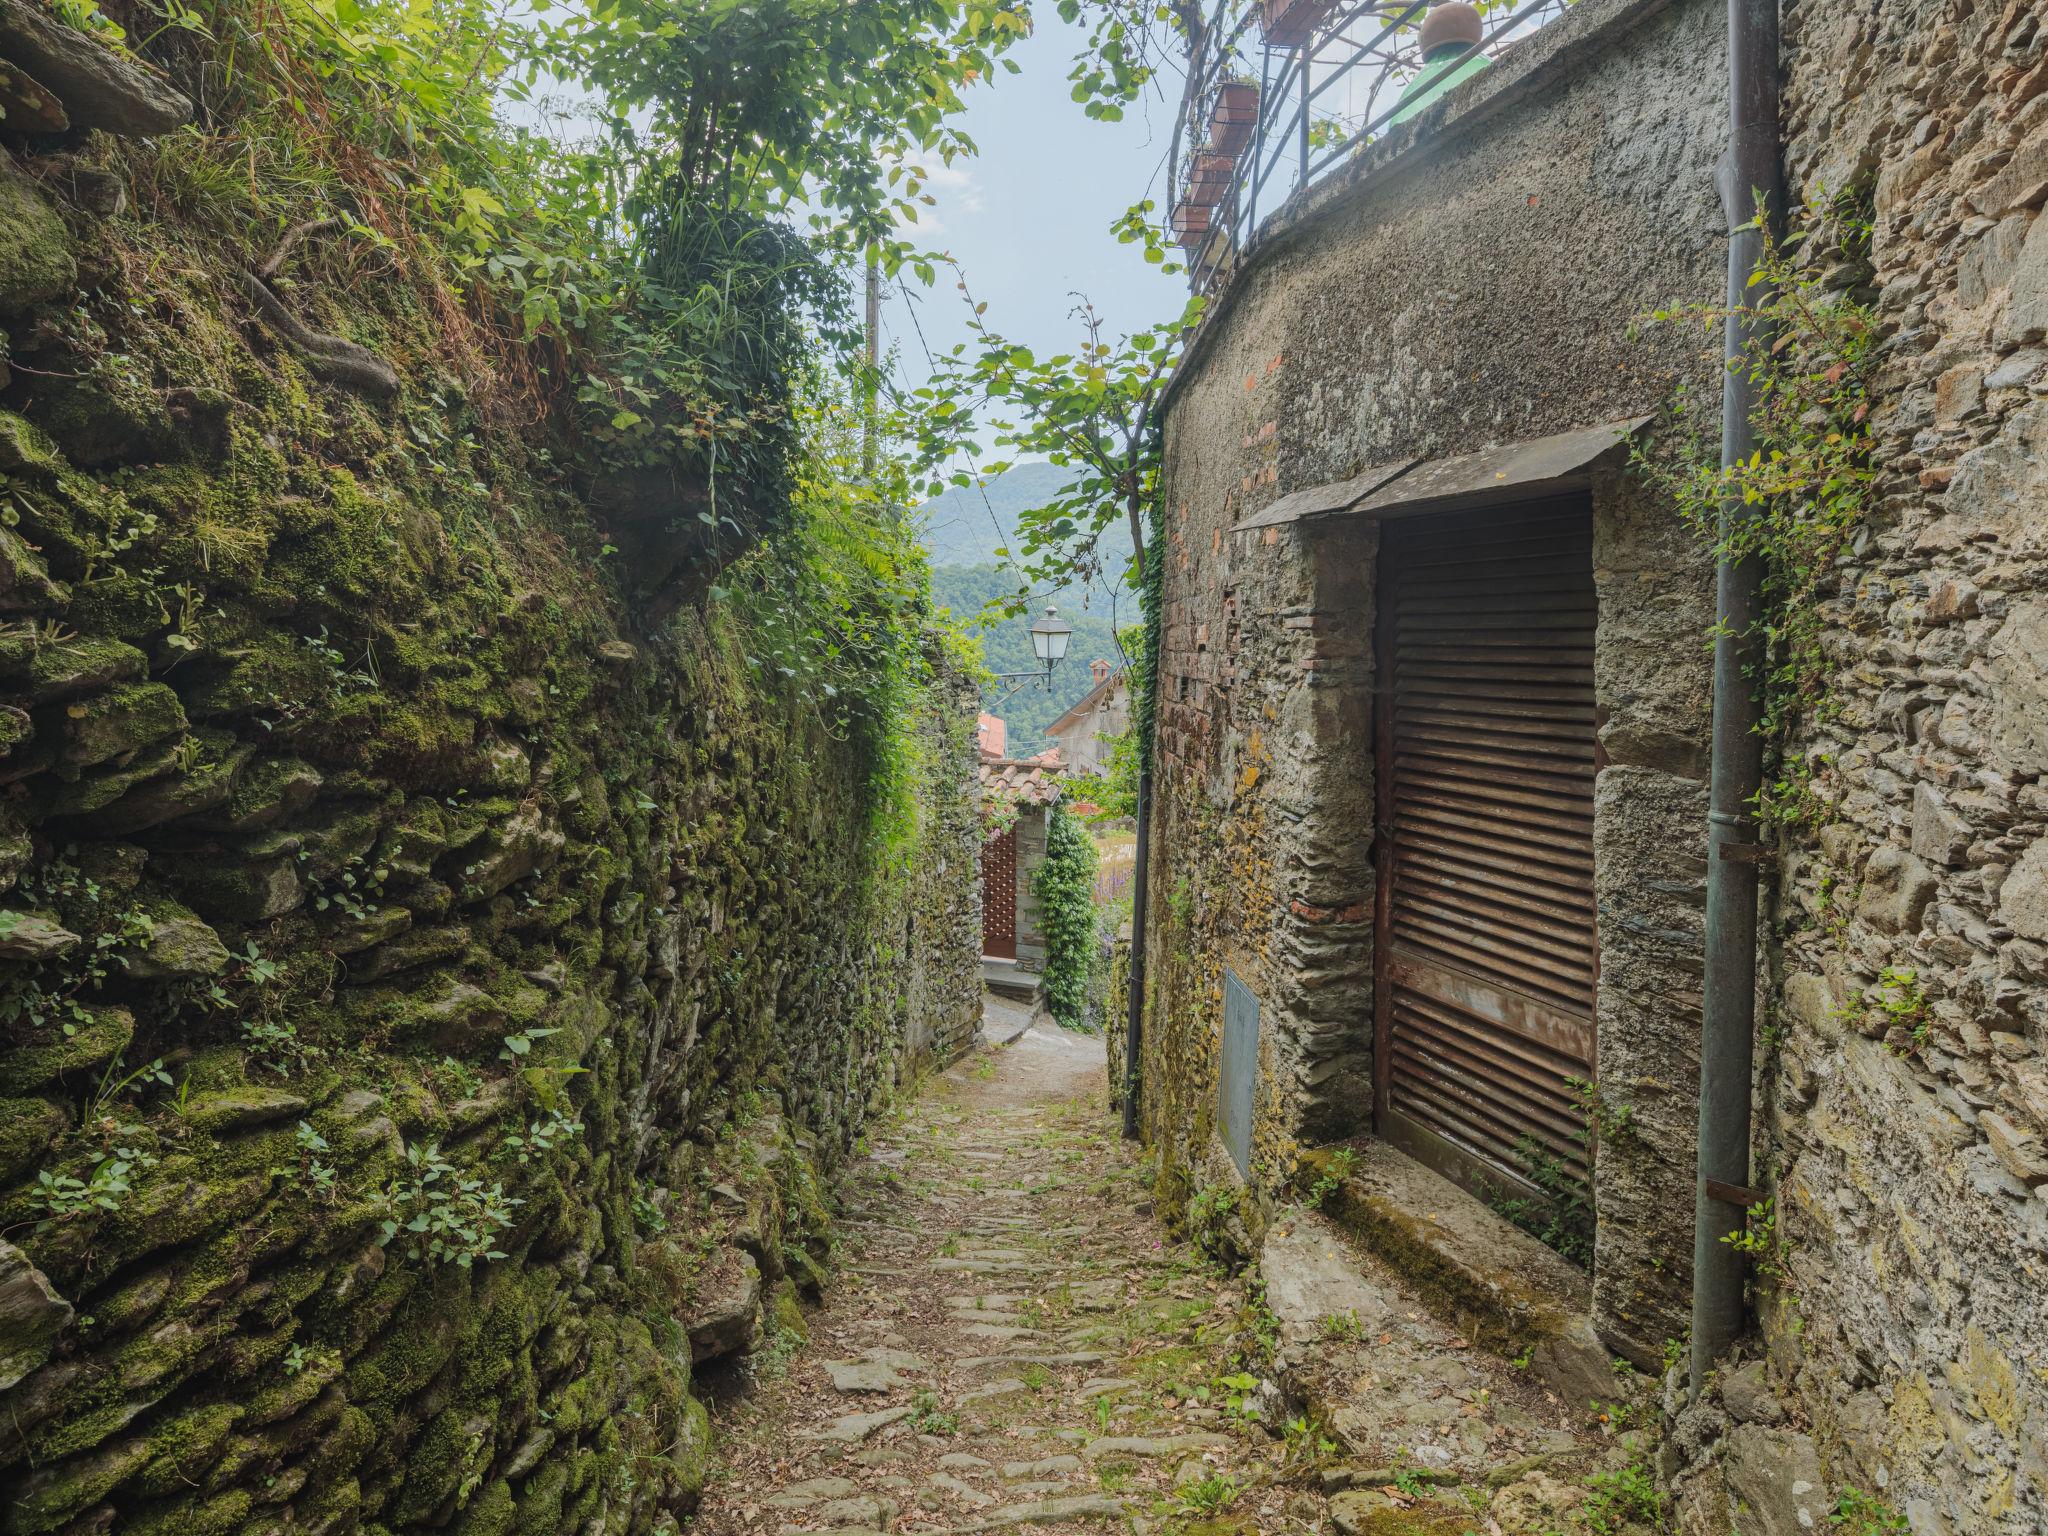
(1012,1342)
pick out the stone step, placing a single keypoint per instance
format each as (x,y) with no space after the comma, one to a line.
(1476,1271)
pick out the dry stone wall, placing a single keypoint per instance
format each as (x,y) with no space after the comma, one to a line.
(430,990)
(1906,1074)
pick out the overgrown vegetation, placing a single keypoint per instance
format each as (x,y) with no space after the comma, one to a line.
(1065,887)
(1758,1242)
(470,782)
(1560,1211)
(1802,495)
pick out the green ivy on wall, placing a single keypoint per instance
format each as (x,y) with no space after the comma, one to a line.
(1809,485)
(1065,888)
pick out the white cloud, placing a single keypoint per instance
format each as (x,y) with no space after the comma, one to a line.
(954,192)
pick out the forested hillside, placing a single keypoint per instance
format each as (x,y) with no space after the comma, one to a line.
(963,529)
(1006,644)
(967,525)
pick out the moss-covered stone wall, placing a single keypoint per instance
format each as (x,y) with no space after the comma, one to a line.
(429,986)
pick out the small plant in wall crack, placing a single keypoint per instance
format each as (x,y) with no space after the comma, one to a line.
(436,1211)
(1341,1165)
(1622,1500)
(310,1169)
(1758,1242)
(1900,1006)
(1857,1513)
(109,1182)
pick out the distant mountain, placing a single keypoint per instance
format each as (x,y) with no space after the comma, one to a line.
(960,530)
(960,525)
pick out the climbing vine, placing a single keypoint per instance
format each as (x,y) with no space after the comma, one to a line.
(1065,887)
(1809,485)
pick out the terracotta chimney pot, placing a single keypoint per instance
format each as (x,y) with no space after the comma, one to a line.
(1455,24)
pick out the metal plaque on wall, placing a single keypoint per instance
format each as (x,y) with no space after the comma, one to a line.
(1240,1070)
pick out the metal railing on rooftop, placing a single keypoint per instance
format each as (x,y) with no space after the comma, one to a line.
(1326,92)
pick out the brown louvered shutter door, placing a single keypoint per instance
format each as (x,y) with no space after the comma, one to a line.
(999,896)
(1486,954)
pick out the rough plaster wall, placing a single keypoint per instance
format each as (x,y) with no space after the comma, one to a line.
(1911,1178)
(1426,314)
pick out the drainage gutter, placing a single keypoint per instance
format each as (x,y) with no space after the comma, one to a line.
(1134,1020)
(1751,167)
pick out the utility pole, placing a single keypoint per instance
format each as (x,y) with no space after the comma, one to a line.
(874,381)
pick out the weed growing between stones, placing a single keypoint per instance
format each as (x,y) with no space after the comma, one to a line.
(1903,1015)
(1857,1513)
(1758,1242)
(1560,1213)
(1616,1500)
(1340,1166)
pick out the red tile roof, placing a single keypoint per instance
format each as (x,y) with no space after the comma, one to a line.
(1022,781)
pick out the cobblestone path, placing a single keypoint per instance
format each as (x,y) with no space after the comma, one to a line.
(1011,1342)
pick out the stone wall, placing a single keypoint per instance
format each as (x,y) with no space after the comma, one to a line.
(942,1002)
(1475,281)
(430,989)
(1906,1154)
(1031,828)
(1421,307)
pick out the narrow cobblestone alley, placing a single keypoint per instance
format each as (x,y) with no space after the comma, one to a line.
(1009,1341)
(1013,1340)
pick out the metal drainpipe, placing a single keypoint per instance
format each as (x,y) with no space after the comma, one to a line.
(1728,1026)
(1134,1024)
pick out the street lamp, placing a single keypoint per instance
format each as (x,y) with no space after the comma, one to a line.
(1049,637)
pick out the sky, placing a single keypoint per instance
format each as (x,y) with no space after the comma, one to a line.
(1029,218)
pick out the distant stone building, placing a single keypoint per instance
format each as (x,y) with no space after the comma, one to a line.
(1429,820)
(1101,715)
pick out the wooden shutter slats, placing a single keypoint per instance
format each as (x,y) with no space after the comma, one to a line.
(1559,881)
(1495,788)
(1457,876)
(1496,958)
(1535,773)
(1517,1106)
(1510,851)
(1487,720)
(1545,1032)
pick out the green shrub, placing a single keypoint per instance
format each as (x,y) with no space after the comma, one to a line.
(1065,888)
